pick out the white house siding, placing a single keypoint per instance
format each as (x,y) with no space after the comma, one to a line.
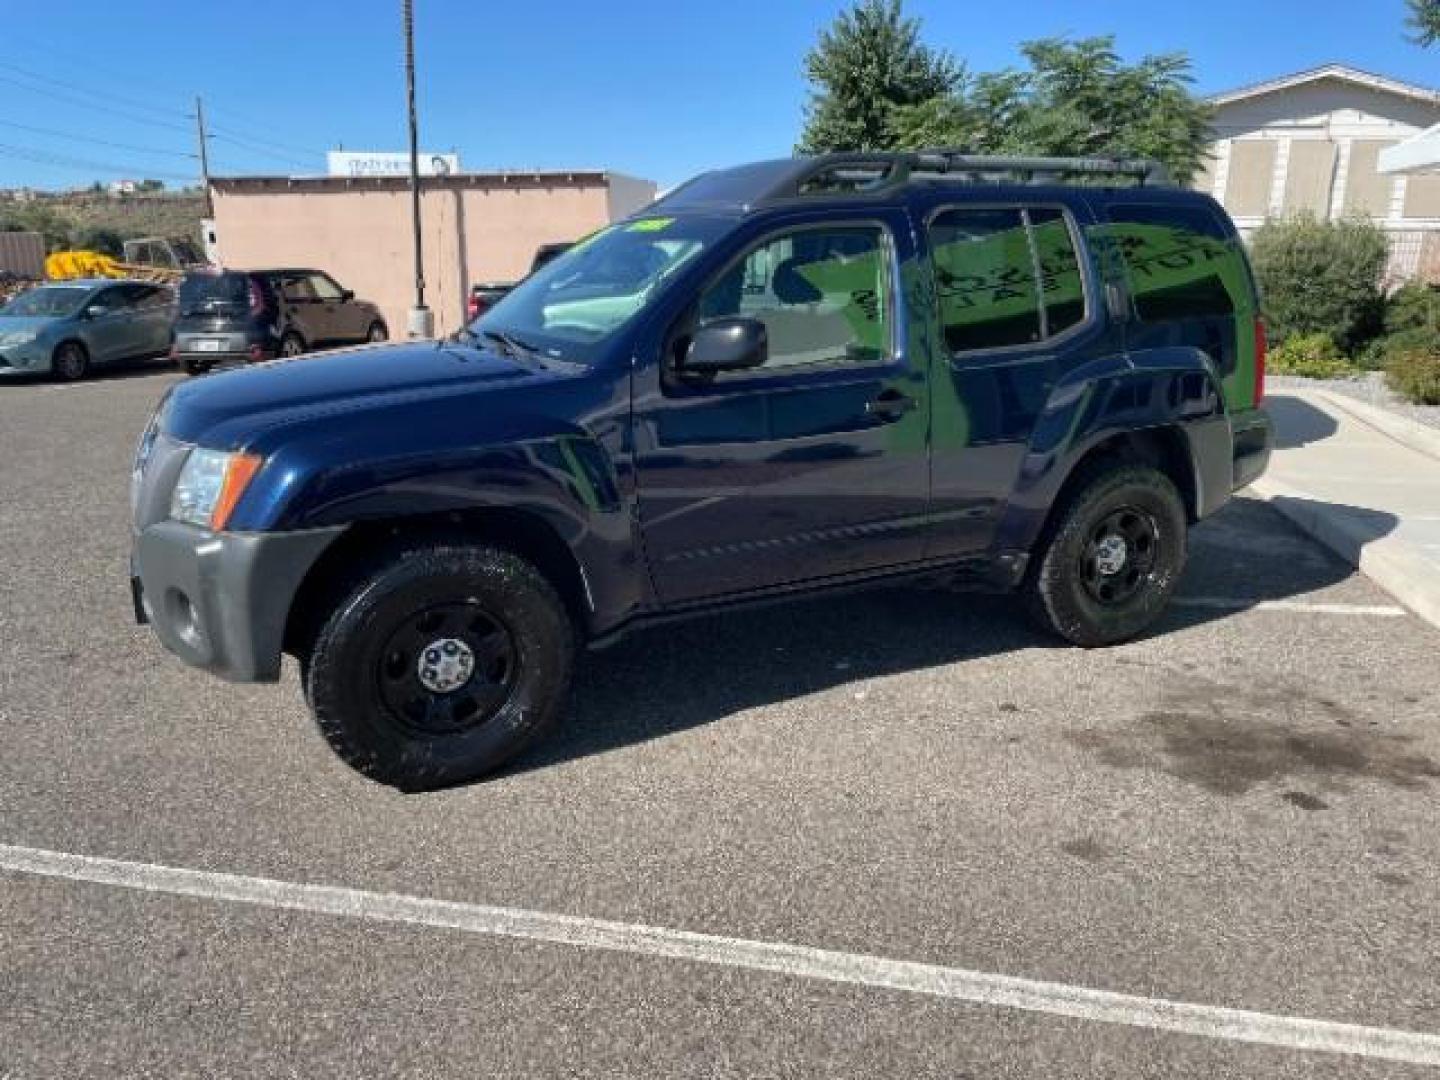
(1309,143)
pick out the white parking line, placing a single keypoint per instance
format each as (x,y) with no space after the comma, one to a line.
(799,961)
(1228,603)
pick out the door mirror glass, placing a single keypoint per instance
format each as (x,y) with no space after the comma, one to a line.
(732,344)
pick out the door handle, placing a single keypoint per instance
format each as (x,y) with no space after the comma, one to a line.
(890,405)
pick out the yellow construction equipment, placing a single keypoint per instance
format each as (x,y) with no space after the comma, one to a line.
(68,265)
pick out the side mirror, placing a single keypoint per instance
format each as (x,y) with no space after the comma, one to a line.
(346,295)
(729,344)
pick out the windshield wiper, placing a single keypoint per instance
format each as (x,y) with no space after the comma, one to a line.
(514,346)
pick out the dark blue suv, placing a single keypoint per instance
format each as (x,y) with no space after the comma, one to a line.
(1013,374)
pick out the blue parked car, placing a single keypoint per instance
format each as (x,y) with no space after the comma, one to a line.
(65,328)
(783,378)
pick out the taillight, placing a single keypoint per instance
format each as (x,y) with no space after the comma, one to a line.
(1261,348)
(257,298)
(472,306)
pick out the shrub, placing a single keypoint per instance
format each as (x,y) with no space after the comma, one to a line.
(1378,354)
(1322,277)
(1312,356)
(1415,374)
(1413,307)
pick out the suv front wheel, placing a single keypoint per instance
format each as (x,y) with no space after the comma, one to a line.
(439,663)
(1113,558)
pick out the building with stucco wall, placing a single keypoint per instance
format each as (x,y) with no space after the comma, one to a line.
(476,227)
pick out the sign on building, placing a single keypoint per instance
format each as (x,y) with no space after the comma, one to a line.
(359,163)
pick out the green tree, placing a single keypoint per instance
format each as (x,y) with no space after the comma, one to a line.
(1424,21)
(1076,98)
(866,65)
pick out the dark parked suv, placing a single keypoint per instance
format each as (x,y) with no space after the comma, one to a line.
(786,377)
(230,316)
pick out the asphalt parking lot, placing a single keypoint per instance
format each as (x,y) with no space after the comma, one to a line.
(1237,812)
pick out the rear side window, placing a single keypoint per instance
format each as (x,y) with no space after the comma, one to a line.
(1005,277)
(1181,263)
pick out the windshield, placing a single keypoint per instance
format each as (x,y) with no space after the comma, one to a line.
(47,302)
(570,306)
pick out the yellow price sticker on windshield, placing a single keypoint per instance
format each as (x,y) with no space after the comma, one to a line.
(654,224)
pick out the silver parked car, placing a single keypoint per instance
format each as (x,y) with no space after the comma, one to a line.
(64,327)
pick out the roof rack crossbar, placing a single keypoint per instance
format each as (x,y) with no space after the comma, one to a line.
(897,168)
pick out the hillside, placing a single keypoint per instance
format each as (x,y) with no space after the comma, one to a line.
(83,219)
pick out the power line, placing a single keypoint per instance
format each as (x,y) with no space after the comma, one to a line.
(70,99)
(95,142)
(256,148)
(60,161)
(106,96)
(74,94)
(251,123)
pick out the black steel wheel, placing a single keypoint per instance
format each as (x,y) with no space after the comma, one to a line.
(1109,561)
(447,668)
(1120,556)
(438,662)
(292,344)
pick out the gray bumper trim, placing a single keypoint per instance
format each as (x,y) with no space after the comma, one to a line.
(1254,439)
(220,601)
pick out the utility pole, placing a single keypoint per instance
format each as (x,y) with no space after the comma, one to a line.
(204,156)
(422,324)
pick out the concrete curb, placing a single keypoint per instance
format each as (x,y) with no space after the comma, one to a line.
(1418,437)
(1392,563)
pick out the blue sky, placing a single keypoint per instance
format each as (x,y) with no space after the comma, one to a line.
(657,89)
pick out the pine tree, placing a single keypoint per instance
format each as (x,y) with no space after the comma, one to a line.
(866,65)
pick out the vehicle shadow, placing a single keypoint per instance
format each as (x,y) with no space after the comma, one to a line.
(112,372)
(667,680)
(1297,423)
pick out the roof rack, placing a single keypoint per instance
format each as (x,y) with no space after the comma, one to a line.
(867,173)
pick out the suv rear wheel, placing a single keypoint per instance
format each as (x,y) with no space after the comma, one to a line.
(1113,558)
(377,332)
(439,663)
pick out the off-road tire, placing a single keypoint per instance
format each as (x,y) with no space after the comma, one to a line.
(1055,591)
(345,667)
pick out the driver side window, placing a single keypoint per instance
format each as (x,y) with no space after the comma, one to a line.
(823,295)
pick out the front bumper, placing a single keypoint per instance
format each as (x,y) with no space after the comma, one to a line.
(220,601)
(18,361)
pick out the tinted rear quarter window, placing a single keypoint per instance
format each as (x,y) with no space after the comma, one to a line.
(1181,262)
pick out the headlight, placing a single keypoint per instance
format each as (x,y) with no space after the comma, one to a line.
(210,485)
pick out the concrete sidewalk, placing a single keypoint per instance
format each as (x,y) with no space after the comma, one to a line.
(1366,484)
